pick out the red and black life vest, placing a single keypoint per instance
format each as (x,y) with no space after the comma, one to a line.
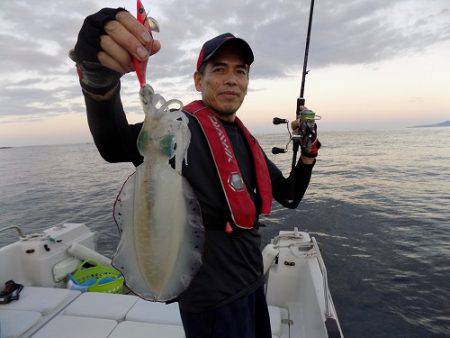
(242,208)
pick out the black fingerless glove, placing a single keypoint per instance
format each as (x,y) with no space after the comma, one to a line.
(94,78)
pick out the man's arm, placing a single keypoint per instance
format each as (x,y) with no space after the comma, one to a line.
(289,191)
(114,137)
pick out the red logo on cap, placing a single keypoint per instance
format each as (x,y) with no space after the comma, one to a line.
(200,59)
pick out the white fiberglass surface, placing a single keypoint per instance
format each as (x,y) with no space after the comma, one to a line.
(298,288)
(10,264)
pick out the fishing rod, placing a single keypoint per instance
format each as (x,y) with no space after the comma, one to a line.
(307,133)
(306,136)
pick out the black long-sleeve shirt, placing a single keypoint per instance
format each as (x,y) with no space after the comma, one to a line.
(232,264)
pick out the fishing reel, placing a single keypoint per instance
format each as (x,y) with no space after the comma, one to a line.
(305,135)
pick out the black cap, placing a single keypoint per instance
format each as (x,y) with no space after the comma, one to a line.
(210,48)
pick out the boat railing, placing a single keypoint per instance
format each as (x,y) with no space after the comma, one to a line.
(14,227)
(323,269)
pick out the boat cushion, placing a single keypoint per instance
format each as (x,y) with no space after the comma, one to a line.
(43,300)
(14,323)
(151,312)
(146,330)
(101,305)
(76,327)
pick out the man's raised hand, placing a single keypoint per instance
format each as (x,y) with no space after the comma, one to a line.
(125,37)
(106,42)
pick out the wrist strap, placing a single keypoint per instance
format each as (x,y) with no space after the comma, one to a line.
(96,79)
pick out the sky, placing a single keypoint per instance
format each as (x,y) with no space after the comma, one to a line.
(374,64)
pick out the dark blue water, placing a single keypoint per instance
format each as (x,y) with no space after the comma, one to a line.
(379,204)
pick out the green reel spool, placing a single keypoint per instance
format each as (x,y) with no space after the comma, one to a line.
(309,115)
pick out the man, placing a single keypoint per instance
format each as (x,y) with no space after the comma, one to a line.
(225,299)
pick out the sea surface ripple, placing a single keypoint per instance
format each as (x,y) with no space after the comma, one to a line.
(378,202)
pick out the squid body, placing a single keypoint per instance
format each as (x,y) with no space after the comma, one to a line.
(159,218)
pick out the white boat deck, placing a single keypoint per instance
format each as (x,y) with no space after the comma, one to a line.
(296,291)
(55,313)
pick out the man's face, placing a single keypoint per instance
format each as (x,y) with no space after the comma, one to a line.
(224,82)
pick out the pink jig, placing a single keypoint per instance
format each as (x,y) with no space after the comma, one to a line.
(141,66)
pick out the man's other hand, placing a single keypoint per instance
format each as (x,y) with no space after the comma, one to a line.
(296,123)
(309,144)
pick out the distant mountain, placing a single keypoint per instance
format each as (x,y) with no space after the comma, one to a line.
(440,124)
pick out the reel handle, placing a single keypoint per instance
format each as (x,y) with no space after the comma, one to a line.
(277,150)
(277,120)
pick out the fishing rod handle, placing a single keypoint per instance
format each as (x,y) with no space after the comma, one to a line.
(300,103)
(277,120)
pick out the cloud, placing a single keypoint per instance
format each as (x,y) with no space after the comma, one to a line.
(37,79)
(40,102)
(348,32)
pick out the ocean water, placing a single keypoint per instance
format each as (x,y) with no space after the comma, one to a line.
(378,202)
